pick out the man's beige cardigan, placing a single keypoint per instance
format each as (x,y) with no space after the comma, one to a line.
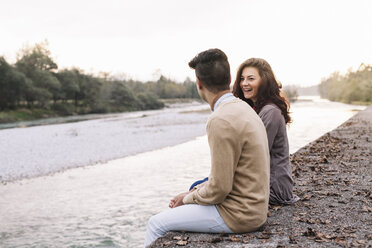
(240,167)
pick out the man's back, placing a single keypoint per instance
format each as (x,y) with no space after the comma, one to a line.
(237,138)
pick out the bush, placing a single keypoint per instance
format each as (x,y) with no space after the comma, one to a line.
(149,101)
(64,109)
(350,88)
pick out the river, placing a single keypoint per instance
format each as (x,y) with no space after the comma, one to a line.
(108,205)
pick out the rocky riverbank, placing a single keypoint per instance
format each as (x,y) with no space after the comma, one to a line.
(333,177)
(46,149)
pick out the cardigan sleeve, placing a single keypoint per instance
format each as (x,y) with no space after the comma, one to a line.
(271,118)
(225,152)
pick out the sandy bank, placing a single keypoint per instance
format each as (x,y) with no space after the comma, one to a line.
(333,177)
(41,150)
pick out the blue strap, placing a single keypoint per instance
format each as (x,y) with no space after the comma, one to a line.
(198,182)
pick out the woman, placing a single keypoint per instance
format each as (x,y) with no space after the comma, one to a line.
(255,84)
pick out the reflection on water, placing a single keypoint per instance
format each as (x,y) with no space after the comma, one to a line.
(108,205)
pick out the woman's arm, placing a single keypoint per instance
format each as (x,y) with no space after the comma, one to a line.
(272,119)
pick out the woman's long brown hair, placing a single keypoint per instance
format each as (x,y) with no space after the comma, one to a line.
(268,91)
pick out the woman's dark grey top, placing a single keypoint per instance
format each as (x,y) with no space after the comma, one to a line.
(281,183)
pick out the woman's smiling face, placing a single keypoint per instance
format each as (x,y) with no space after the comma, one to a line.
(250,81)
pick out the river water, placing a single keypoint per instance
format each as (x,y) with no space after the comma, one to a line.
(108,205)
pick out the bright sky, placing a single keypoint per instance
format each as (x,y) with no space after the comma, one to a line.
(303,41)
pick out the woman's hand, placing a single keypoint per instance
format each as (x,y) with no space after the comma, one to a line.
(178,200)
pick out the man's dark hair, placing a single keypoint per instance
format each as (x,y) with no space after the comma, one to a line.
(212,69)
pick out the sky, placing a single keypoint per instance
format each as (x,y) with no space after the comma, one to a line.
(304,41)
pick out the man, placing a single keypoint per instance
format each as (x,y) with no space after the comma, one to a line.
(235,198)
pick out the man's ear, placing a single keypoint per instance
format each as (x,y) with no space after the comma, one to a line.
(199,84)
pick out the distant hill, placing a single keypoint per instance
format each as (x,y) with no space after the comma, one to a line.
(308,91)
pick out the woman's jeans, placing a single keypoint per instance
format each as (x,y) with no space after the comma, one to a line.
(189,217)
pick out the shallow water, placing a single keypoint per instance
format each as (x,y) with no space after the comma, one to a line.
(313,117)
(108,205)
(103,205)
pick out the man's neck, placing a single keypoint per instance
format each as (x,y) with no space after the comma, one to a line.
(214,97)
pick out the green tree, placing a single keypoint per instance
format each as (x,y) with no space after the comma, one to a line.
(149,100)
(291,93)
(36,63)
(90,90)
(355,86)
(69,80)
(12,84)
(191,90)
(122,96)
(36,57)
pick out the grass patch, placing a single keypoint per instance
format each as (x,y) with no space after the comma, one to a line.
(361,103)
(201,111)
(25,115)
(180,100)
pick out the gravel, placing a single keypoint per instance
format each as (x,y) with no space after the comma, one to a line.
(41,150)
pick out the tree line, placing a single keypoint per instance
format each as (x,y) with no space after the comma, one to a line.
(34,81)
(291,93)
(354,87)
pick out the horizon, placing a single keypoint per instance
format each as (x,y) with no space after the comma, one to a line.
(303,42)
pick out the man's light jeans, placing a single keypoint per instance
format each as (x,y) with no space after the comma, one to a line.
(190,217)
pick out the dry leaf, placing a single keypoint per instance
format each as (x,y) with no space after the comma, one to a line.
(361,241)
(276,208)
(297,219)
(235,239)
(307,197)
(263,236)
(367,209)
(246,240)
(292,239)
(320,237)
(310,221)
(182,242)
(341,241)
(324,221)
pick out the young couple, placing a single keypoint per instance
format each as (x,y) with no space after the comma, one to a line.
(249,152)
